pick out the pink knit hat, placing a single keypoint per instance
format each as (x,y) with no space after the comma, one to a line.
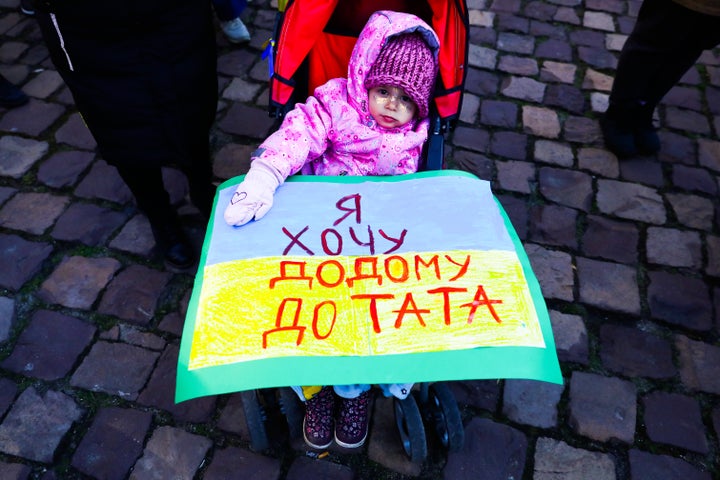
(406,61)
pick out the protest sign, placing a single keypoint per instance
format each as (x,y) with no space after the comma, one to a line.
(365,280)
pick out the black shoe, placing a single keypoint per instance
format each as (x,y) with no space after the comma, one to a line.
(10,95)
(618,139)
(178,253)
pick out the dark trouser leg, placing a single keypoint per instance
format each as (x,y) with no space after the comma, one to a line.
(146,185)
(201,189)
(666,41)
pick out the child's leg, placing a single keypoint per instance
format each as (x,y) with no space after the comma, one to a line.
(398,390)
(319,415)
(351,391)
(351,425)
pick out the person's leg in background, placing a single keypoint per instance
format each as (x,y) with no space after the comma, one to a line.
(666,41)
(228,12)
(200,186)
(144,111)
(146,185)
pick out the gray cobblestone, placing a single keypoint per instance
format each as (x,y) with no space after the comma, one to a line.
(49,346)
(554,152)
(77,281)
(63,169)
(675,419)
(113,443)
(556,459)
(676,248)
(571,337)
(602,408)
(608,285)
(611,239)
(491,450)
(228,462)
(35,119)
(635,353)
(541,122)
(36,423)
(531,402)
(132,295)
(18,155)
(698,364)
(662,467)
(555,232)
(123,377)
(566,187)
(554,270)
(32,212)
(171,453)
(680,300)
(692,210)
(523,88)
(631,201)
(135,237)
(22,259)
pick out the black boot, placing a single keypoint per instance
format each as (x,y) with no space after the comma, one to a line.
(10,95)
(646,137)
(617,130)
(177,251)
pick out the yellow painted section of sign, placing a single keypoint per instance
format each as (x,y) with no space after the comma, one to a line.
(385,304)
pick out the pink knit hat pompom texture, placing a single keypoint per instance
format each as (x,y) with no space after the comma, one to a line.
(406,61)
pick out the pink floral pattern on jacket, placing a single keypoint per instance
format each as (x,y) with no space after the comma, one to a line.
(333,133)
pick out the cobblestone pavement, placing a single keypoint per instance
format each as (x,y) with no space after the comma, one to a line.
(627,254)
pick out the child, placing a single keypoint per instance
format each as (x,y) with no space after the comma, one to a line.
(375,122)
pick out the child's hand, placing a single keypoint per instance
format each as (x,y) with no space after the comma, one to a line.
(253,197)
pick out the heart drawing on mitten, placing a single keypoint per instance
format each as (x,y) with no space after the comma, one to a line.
(238,197)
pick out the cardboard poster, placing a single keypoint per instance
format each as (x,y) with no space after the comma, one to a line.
(373,280)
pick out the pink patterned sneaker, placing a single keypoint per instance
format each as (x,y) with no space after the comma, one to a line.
(318,421)
(351,426)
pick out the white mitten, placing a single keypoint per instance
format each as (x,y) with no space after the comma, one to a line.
(254,196)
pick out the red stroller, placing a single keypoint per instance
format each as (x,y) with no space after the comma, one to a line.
(313,41)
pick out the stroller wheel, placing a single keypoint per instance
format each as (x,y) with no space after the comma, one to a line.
(293,410)
(255,419)
(411,429)
(443,412)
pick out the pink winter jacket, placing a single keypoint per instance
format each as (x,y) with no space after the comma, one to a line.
(333,133)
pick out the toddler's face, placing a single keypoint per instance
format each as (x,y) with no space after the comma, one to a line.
(390,106)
